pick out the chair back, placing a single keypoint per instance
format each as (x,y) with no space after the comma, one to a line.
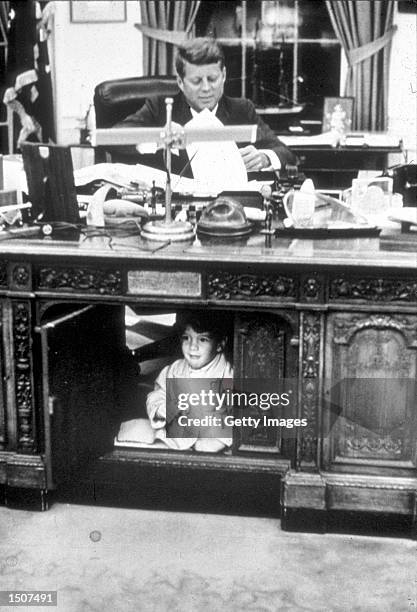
(115,99)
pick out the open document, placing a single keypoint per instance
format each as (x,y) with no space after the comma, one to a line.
(217,165)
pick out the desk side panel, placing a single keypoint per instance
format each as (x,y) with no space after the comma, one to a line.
(371,378)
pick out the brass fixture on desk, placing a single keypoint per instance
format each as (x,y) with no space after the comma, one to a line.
(168,229)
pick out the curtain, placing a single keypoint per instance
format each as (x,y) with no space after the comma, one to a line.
(4,26)
(4,21)
(164,24)
(28,90)
(365,30)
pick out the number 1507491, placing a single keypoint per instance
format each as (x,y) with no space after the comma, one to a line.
(28,598)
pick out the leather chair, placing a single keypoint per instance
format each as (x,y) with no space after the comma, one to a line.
(114,100)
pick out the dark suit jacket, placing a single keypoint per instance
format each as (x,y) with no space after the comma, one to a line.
(230,111)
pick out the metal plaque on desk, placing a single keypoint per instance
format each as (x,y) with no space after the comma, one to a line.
(162,283)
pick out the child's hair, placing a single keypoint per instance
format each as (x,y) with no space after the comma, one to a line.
(218,325)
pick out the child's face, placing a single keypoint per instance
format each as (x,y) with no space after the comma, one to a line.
(199,348)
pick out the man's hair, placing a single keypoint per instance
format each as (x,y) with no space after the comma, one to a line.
(198,51)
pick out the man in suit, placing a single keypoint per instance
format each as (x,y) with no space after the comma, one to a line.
(201,75)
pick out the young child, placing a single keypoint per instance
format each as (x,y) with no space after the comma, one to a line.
(203,340)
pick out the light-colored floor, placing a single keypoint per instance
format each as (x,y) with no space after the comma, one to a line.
(111,560)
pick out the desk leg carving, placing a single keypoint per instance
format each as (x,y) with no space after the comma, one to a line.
(303,495)
(22,341)
(3,382)
(311,350)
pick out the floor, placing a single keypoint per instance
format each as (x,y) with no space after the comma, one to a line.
(111,559)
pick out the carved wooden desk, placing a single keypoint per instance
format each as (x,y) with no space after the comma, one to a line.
(317,311)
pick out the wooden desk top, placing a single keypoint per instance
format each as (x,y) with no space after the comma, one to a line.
(113,246)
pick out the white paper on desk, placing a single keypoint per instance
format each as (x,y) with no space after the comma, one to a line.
(381,139)
(216,166)
(118,174)
(14,176)
(123,174)
(305,141)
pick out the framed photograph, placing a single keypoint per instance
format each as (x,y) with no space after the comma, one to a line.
(97,11)
(337,112)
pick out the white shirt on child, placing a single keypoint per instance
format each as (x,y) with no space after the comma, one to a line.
(218,368)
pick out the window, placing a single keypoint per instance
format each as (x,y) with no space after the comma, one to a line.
(284,55)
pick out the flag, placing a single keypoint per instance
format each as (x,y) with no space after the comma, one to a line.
(28,90)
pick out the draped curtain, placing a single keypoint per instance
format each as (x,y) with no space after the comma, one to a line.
(164,24)
(365,30)
(4,18)
(5,143)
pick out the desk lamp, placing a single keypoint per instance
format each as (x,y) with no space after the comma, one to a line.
(165,138)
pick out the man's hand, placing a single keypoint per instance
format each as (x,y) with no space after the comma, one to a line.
(253,159)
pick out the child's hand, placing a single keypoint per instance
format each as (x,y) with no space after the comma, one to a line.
(159,420)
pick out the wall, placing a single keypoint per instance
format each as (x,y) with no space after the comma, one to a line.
(402,99)
(85,55)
